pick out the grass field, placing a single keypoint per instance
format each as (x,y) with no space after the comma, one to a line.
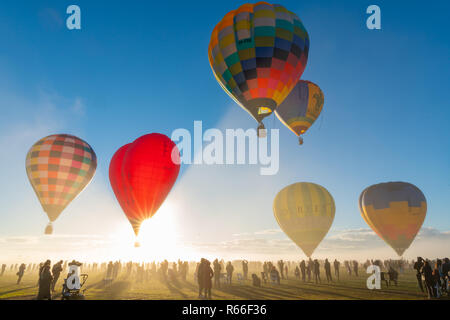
(353,288)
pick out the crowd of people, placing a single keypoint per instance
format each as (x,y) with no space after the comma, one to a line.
(432,276)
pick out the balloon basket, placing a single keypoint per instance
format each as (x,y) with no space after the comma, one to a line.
(261,131)
(48,229)
(137,244)
(300,141)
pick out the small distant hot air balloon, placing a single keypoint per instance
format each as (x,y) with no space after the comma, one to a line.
(142,174)
(305,212)
(257,54)
(59,167)
(301,107)
(395,211)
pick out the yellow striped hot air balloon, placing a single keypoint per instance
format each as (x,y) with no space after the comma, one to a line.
(395,211)
(305,212)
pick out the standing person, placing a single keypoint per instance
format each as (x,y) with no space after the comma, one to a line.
(317,271)
(186,270)
(355,267)
(200,277)
(265,271)
(230,270)
(56,271)
(303,270)
(328,270)
(281,267)
(217,270)
(336,268)
(45,282)
(109,270)
(286,271)
(21,272)
(297,273)
(174,268)
(437,278)
(418,265)
(427,273)
(3,269)
(445,275)
(206,274)
(310,268)
(245,268)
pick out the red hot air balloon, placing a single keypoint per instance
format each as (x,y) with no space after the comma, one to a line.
(142,174)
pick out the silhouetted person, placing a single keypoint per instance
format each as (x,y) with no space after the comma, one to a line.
(437,278)
(109,270)
(349,269)
(355,267)
(245,268)
(21,272)
(297,273)
(174,267)
(205,274)
(418,265)
(56,271)
(281,267)
(336,268)
(303,270)
(3,269)
(45,282)
(428,275)
(217,270)
(164,268)
(309,269)
(229,270)
(328,270)
(316,271)
(393,275)
(185,270)
(445,275)
(266,271)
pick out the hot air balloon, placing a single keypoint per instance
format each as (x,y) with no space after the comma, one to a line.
(257,54)
(305,212)
(142,174)
(395,211)
(301,107)
(59,167)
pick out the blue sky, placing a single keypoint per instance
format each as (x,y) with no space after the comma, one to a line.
(137,67)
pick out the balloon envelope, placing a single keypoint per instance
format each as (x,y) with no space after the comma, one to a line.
(395,211)
(59,167)
(142,174)
(257,54)
(305,212)
(301,107)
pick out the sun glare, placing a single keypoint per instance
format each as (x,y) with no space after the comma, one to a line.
(157,237)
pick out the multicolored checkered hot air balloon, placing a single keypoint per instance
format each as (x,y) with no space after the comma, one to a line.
(59,167)
(305,212)
(301,107)
(395,211)
(257,53)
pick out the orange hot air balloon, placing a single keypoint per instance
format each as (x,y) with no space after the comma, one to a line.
(395,211)
(59,167)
